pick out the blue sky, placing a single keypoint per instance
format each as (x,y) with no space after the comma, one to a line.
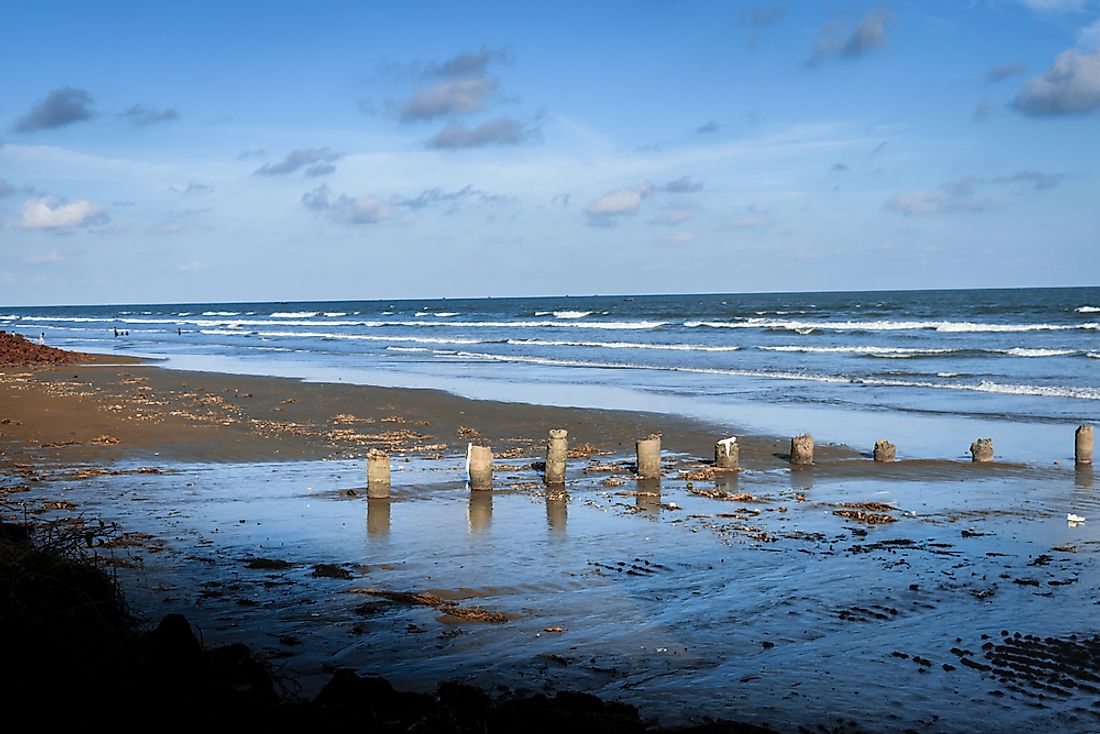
(283,151)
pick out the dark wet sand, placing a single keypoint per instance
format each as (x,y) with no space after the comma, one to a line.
(765,595)
(202,416)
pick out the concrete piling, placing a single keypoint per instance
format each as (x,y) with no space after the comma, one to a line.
(981,451)
(649,456)
(557,446)
(802,450)
(378,474)
(479,466)
(727,453)
(885,451)
(1083,443)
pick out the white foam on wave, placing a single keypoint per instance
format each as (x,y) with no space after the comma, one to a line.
(909,352)
(216,313)
(1023,352)
(1087,309)
(446,314)
(571,314)
(621,345)
(942,326)
(611,325)
(874,351)
(352,337)
(409,349)
(294,314)
(333,314)
(543,313)
(986,386)
(1093,355)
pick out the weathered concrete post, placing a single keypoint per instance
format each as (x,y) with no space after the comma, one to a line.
(479,465)
(802,450)
(1083,442)
(649,456)
(885,451)
(378,474)
(727,453)
(557,446)
(982,450)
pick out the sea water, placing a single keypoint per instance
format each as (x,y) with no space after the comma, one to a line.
(929,369)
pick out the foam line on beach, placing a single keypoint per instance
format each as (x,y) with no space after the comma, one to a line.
(912,352)
(1055,391)
(621,345)
(941,326)
(350,337)
(213,323)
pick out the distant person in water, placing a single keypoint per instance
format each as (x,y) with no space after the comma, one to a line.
(116,333)
(179,331)
(42,338)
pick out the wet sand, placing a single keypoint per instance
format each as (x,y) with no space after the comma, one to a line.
(204,416)
(931,595)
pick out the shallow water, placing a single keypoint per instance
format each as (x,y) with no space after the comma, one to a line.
(785,614)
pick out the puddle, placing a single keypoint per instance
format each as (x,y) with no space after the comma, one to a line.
(757,602)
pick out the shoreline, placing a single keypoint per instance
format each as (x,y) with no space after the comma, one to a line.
(807,595)
(183,415)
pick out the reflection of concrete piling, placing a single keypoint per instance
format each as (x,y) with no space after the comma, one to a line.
(481,511)
(648,496)
(378,474)
(557,512)
(885,451)
(1082,450)
(802,450)
(727,453)
(378,517)
(649,456)
(557,446)
(479,464)
(982,450)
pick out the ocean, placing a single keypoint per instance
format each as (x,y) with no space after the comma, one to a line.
(929,369)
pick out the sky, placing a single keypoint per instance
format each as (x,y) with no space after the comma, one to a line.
(212,152)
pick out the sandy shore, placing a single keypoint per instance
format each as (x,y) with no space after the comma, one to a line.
(101,412)
(934,595)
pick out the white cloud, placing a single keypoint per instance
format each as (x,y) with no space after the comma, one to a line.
(192,267)
(922,202)
(618,203)
(673,217)
(1089,36)
(450,97)
(1056,6)
(53,256)
(46,213)
(1071,86)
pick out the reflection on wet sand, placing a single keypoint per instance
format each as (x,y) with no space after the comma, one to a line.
(480,516)
(557,510)
(801,479)
(378,517)
(648,499)
(1083,478)
(726,482)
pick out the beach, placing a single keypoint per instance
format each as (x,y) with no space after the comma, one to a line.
(926,593)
